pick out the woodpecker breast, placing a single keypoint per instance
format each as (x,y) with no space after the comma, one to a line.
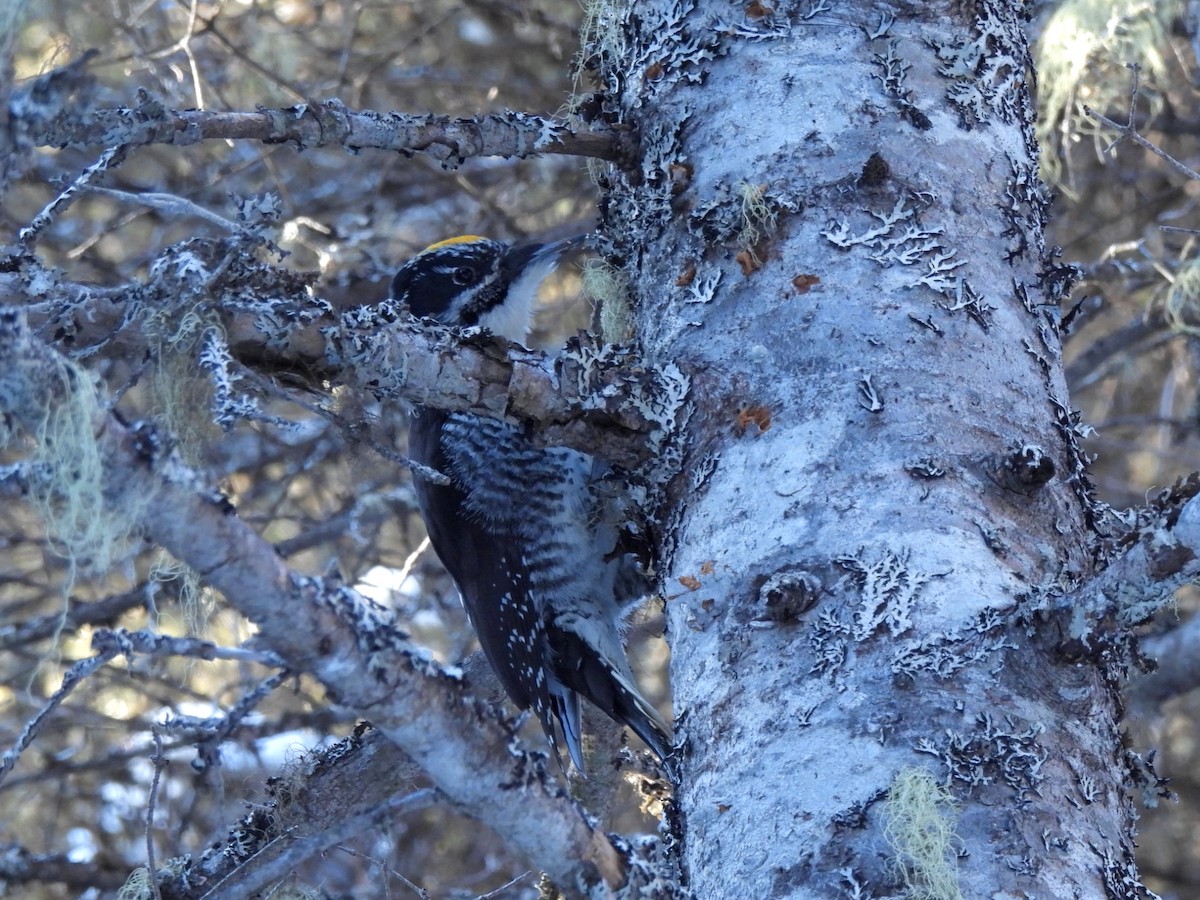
(523,530)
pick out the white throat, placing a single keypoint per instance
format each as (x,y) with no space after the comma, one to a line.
(513,318)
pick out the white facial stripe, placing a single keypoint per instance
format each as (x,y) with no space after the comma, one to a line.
(513,318)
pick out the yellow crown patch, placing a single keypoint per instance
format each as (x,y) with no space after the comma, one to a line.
(461,239)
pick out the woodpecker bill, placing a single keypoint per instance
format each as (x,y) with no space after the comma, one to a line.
(526,532)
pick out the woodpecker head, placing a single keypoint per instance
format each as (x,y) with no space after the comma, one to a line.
(471,280)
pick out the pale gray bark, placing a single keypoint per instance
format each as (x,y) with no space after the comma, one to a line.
(836,224)
(450,141)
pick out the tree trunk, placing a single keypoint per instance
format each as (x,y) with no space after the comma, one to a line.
(836,228)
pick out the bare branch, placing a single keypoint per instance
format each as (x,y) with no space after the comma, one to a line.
(148,643)
(333,794)
(160,763)
(110,158)
(1163,554)
(77,614)
(71,680)
(1129,132)
(602,400)
(110,644)
(448,140)
(210,732)
(605,401)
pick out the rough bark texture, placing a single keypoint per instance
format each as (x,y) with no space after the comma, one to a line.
(448,140)
(836,225)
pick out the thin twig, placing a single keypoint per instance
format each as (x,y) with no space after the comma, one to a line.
(251,874)
(416,889)
(1129,131)
(73,677)
(169,203)
(218,729)
(160,763)
(146,642)
(109,159)
(496,893)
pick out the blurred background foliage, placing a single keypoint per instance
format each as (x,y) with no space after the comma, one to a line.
(79,794)
(81,790)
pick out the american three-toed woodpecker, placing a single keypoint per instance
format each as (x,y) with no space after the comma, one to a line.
(523,530)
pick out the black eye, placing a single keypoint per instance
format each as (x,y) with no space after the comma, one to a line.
(463,275)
